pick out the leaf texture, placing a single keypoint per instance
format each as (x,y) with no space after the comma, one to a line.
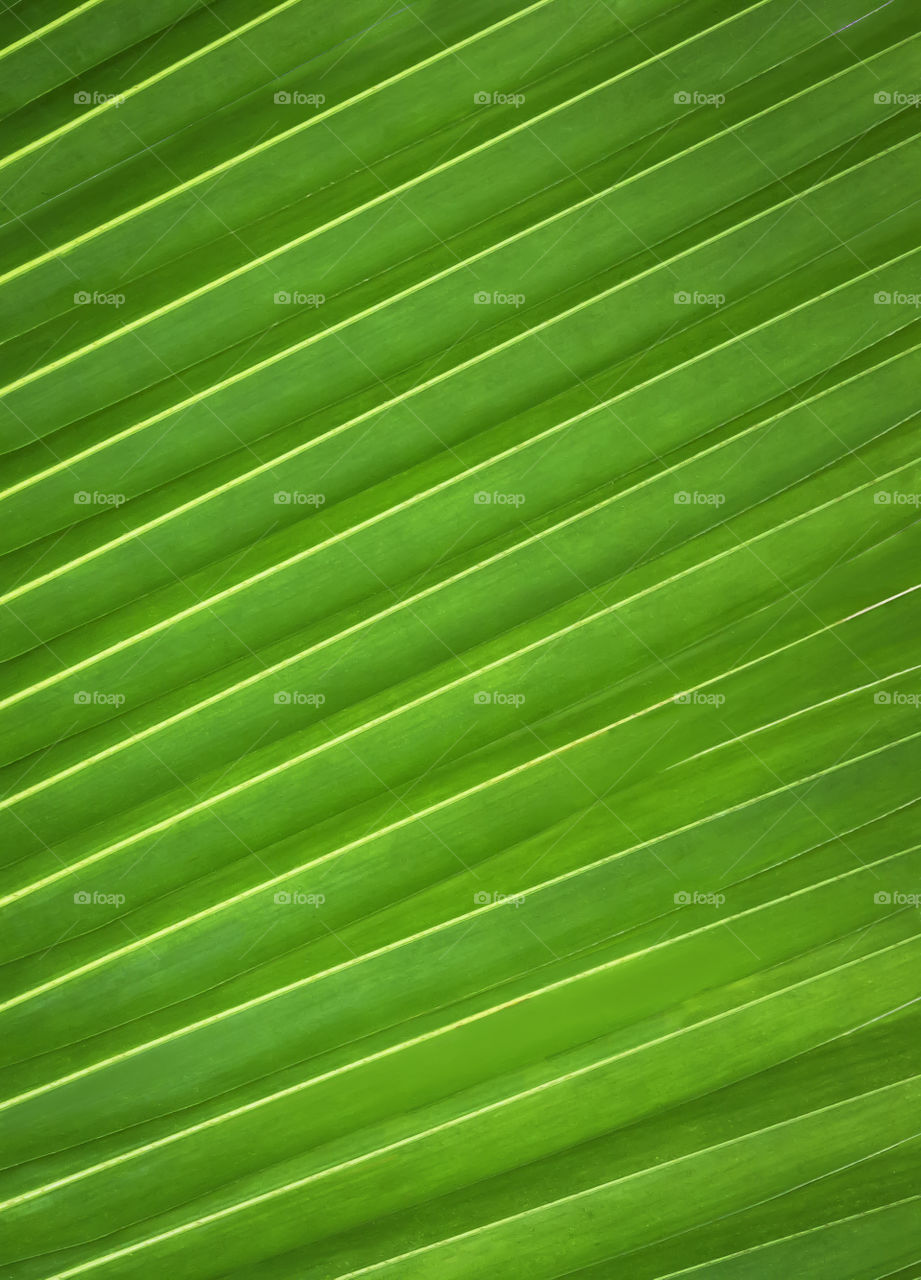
(460,731)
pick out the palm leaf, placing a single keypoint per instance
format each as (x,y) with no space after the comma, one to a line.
(460,742)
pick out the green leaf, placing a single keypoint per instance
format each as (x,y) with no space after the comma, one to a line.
(460,739)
